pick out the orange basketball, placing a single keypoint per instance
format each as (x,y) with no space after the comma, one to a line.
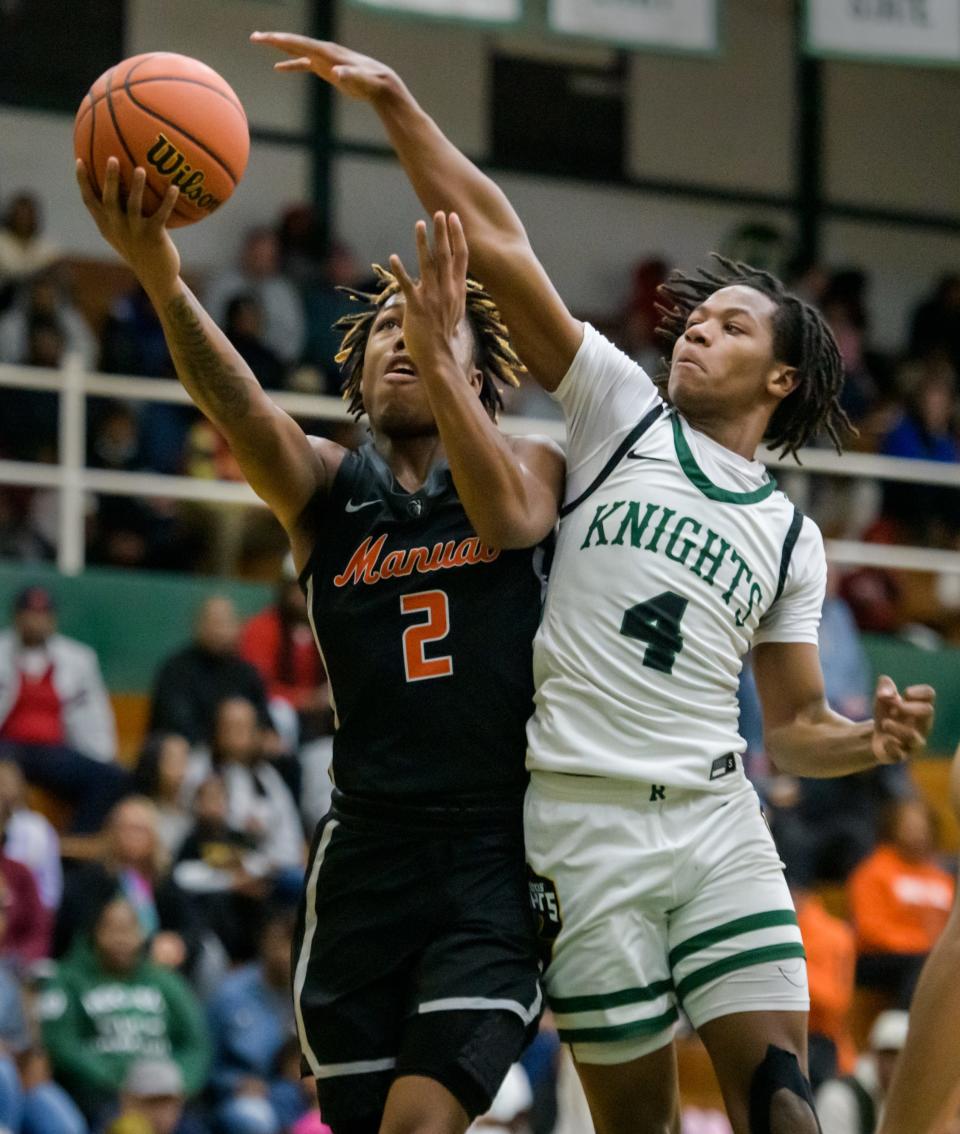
(177,118)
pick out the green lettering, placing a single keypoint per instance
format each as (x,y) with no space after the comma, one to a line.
(636,525)
(716,558)
(603,512)
(668,514)
(742,570)
(684,521)
(755,593)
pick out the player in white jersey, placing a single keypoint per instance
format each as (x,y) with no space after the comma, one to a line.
(657,881)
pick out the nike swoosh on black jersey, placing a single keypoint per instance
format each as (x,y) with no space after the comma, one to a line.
(351,507)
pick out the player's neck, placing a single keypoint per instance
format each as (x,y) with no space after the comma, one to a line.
(741,435)
(411,459)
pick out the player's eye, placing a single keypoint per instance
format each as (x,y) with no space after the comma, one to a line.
(390,322)
(733,329)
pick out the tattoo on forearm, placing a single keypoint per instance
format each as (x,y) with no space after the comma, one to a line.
(222,388)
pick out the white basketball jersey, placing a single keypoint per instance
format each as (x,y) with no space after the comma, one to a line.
(675,556)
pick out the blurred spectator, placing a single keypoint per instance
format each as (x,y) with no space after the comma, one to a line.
(845,310)
(243,325)
(280,643)
(935,326)
(26,921)
(190,684)
(823,828)
(831,951)
(851,1105)
(259,803)
(325,302)
(300,236)
(24,250)
(133,862)
(30,837)
(153,1100)
(19,538)
(132,340)
(160,775)
(259,274)
(224,876)
(128,531)
(56,721)
(108,1006)
(251,1019)
(640,316)
(29,423)
(45,300)
(899,901)
(29,1102)
(924,431)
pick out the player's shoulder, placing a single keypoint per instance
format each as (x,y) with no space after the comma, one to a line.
(329,457)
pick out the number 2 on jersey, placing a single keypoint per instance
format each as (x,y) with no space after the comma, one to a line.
(417,666)
(657,622)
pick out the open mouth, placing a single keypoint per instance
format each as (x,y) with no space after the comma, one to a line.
(401,371)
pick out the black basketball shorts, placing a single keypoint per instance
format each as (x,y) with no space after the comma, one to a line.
(415,953)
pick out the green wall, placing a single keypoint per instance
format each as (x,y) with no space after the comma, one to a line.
(134,619)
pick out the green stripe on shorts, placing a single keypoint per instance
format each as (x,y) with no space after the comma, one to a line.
(610,1032)
(731,929)
(565,1004)
(740,961)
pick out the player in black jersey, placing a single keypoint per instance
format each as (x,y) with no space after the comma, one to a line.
(415,978)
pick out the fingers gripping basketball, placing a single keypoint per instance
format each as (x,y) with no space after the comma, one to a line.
(176,117)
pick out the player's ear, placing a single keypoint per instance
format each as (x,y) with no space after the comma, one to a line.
(476,380)
(783,381)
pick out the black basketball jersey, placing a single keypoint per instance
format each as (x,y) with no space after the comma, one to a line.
(426,636)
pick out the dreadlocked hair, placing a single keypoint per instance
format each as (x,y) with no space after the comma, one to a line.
(494,356)
(801,339)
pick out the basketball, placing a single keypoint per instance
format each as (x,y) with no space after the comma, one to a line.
(176,117)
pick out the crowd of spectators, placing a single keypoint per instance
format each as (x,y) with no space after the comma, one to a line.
(145,947)
(277,304)
(176,878)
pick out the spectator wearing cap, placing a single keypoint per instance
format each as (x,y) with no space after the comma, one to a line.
(153,1100)
(55,716)
(852,1105)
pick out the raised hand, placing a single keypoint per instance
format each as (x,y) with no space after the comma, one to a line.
(350,72)
(435,305)
(143,242)
(901,721)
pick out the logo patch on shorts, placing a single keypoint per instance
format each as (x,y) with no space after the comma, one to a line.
(546,909)
(723,766)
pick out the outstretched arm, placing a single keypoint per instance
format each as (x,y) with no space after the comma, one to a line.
(925,1091)
(805,737)
(510,488)
(545,334)
(283,466)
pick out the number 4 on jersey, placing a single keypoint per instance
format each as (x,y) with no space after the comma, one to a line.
(657,622)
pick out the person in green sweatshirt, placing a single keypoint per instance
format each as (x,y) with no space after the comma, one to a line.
(108,1005)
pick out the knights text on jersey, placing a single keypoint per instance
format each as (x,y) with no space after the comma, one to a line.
(675,555)
(426,635)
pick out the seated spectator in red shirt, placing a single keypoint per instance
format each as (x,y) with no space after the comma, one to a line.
(279,642)
(55,717)
(900,899)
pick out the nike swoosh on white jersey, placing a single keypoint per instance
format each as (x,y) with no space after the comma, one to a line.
(351,507)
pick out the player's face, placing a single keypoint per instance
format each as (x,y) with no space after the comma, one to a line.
(724,361)
(393,395)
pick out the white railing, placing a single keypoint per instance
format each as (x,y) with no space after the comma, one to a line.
(74,480)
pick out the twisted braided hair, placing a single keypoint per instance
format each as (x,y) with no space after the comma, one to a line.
(801,339)
(494,355)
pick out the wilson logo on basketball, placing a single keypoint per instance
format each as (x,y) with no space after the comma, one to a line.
(170,162)
(365,568)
